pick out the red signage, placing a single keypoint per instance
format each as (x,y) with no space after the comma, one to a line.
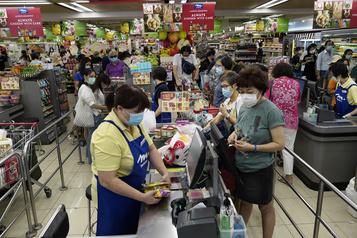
(354,15)
(198,16)
(25,22)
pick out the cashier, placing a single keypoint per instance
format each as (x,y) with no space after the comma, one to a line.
(346,91)
(160,75)
(121,150)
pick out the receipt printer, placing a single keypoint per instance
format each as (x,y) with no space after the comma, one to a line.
(197,222)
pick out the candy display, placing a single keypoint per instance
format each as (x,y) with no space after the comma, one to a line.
(141,78)
(175,101)
(161,189)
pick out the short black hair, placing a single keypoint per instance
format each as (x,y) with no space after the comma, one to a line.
(310,47)
(128,97)
(35,56)
(283,69)
(339,69)
(298,48)
(186,48)
(211,52)
(347,51)
(329,41)
(237,68)
(230,77)
(227,62)
(159,73)
(253,76)
(124,55)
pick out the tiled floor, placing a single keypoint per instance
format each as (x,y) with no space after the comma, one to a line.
(78,177)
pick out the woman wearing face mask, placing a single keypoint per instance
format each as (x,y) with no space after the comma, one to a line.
(121,151)
(260,127)
(222,65)
(309,63)
(229,109)
(90,98)
(79,76)
(347,58)
(284,92)
(346,92)
(116,67)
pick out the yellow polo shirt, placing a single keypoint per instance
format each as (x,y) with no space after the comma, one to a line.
(352,93)
(110,151)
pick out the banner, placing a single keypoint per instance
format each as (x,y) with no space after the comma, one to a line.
(80,28)
(354,15)
(25,22)
(100,33)
(283,25)
(332,14)
(217,26)
(198,16)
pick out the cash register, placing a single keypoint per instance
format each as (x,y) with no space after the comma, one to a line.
(191,221)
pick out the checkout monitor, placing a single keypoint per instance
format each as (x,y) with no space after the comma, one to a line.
(196,159)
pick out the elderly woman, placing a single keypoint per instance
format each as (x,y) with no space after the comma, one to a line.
(259,134)
(116,67)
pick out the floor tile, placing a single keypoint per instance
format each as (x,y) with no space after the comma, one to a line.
(78,220)
(81,180)
(73,198)
(279,232)
(348,229)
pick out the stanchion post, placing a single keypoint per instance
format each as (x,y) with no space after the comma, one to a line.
(59,158)
(320,198)
(79,148)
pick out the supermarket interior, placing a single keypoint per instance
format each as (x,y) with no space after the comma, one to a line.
(178,118)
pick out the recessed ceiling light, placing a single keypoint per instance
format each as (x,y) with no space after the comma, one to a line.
(270,4)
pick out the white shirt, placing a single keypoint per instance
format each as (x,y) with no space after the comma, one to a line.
(177,62)
(86,99)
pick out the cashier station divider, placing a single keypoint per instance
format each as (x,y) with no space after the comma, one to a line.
(177,216)
(328,146)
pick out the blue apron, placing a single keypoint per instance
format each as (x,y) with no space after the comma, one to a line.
(119,215)
(164,117)
(342,105)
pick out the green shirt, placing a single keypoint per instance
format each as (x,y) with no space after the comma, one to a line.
(256,124)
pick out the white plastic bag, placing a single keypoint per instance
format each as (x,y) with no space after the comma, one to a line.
(84,115)
(149,121)
(352,194)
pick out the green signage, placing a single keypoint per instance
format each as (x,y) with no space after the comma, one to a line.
(283,25)
(80,28)
(217,26)
(100,33)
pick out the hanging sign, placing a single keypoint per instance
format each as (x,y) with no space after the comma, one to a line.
(25,21)
(198,16)
(283,25)
(354,15)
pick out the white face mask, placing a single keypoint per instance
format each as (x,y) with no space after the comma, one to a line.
(249,100)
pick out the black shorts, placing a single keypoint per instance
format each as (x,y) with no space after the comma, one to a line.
(256,187)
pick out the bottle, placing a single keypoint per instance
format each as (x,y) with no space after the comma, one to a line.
(226,215)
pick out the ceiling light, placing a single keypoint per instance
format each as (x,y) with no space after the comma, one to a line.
(70,7)
(274,16)
(172,1)
(8,3)
(183,1)
(86,9)
(270,4)
(83,1)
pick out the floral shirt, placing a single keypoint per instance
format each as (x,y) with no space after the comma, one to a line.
(286,96)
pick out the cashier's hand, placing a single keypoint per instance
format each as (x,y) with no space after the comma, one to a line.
(166,178)
(149,199)
(347,116)
(223,110)
(232,138)
(243,146)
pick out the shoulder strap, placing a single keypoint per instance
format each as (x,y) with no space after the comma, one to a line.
(120,130)
(351,86)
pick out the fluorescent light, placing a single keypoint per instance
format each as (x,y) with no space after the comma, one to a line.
(83,1)
(171,1)
(271,3)
(183,1)
(274,16)
(86,9)
(69,7)
(8,3)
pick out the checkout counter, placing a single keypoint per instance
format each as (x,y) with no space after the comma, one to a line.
(178,216)
(330,148)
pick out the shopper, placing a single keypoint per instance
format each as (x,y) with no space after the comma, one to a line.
(309,63)
(185,68)
(36,59)
(121,149)
(79,76)
(106,59)
(160,75)
(346,92)
(296,62)
(222,66)
(24,58)
(115,68)
(126,58)
(284,92)
(323,62)
(206,64)
(106,85)
(261,125)
(229,109)
(347,58)
(332,84)
(3,59)
(96,62)
(90,102)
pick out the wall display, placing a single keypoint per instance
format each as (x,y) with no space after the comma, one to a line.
(153,17)
(137,26)
(25,22)
(162,16)
(332,14)
(198,16)
(175,101)
(141,78)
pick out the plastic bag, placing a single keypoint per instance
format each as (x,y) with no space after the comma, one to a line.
(149,121)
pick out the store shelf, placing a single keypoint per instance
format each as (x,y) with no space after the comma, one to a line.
(47,108)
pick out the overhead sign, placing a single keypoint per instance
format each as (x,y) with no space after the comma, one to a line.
(354,15)
(25,22)
(198,16)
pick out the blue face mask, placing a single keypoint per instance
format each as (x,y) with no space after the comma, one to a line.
(91,80)
(219,71)
(135,118)
(113,59)
(227,92)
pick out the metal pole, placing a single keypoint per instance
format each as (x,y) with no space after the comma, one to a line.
(26,158)
(31,231)
(79,148)
(63,186)
(320,198)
